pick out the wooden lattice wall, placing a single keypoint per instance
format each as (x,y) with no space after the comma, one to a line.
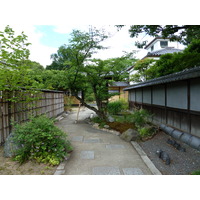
(46,102)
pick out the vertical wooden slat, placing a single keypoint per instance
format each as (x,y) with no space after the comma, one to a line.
(50,103)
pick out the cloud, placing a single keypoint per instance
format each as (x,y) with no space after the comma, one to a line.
(38,52)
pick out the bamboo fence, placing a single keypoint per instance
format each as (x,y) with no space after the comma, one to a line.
(46,102)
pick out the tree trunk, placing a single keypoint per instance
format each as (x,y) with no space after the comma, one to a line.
(101,114)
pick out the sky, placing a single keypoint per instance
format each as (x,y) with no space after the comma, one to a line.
(46,39)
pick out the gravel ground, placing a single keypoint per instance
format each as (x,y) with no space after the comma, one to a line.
(182,163)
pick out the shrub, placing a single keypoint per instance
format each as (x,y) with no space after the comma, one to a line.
(42,141)
(141,117)
(147,131)
(98,121)
(117,106)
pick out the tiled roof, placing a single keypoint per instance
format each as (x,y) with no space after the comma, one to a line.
(163,51)
(183,75)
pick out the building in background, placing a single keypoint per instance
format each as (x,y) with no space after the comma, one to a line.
(156,48)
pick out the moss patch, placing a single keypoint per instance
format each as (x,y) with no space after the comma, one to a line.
(119,126)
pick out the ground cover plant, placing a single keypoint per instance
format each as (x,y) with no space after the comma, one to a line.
(139,119)
(40,140)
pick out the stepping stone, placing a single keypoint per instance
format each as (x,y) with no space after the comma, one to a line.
(105,171)
(77,139)
(115,146)
(92,140)
(89,155)
(132,171)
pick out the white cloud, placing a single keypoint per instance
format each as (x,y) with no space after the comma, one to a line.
(118,42)
(38,52)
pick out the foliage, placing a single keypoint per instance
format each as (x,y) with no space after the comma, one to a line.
(142,70)
(171,63)
(116,107)
(141,117)
(99,121)
(184,33)
(14,63)
(13,48)
(41,140)
(147,131)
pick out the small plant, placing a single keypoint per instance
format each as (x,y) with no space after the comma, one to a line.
(116,107)
(42,141)
(99,121)
(141,117)
(147,131)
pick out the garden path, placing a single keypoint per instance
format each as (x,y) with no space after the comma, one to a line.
(98,152)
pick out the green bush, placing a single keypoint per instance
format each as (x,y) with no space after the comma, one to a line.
(41,140)
(99,121)
(141,117)
(147,131)
(116,107)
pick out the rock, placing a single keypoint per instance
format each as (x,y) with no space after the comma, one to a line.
(10,146)
(106,126)
(64,115)
(129,135)
(163,156)
(111,119)
(96,125)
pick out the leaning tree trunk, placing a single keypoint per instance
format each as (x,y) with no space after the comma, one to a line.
(100,112)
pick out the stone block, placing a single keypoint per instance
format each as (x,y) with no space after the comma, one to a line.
(10,146)
(106,171)
(129,135)
(88,155)
(77,138)
(132,171)
(115,146)
(59,172)
(92,140)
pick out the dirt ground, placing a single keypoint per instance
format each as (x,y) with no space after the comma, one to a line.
(10,167)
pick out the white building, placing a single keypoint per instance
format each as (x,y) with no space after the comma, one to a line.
(157,47)
(160,46)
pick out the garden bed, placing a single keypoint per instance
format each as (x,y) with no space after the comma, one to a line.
(10,167)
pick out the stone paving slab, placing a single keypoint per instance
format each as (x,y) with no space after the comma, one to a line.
(77,139)
(132,171)
(115,146)
(89,155)
(91,140)
(106,170)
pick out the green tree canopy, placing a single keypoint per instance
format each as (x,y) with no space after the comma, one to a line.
(14,63)
(182,33)
(142,70)
(85,74)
